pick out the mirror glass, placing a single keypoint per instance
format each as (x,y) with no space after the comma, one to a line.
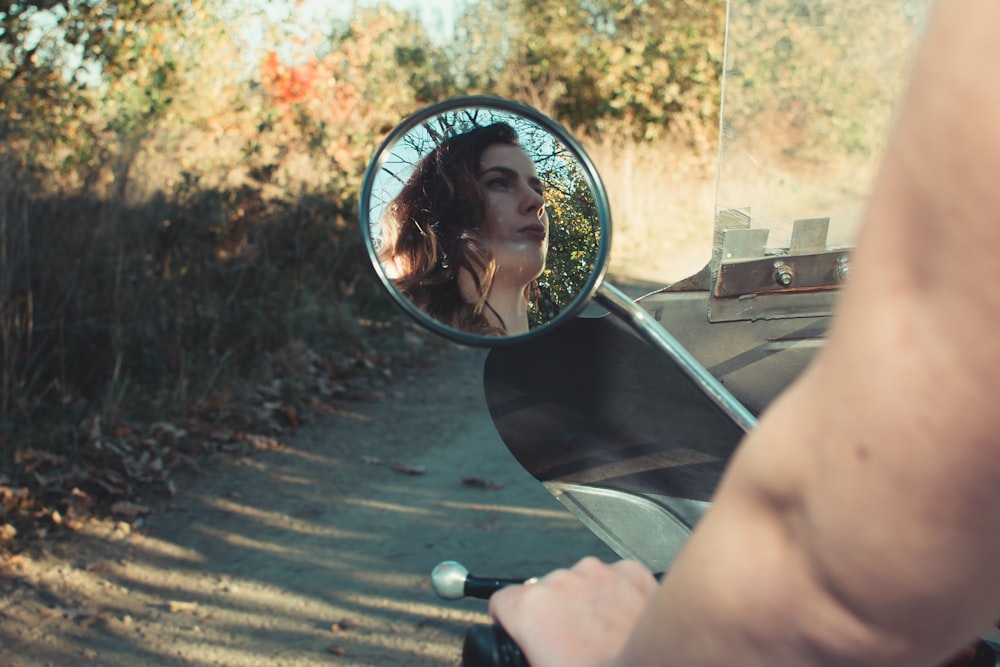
(485,220)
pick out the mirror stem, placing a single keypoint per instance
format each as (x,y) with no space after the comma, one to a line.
(653,333)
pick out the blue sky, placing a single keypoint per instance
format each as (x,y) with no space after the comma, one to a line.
(311,15)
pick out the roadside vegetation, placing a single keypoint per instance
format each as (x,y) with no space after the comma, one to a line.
(181,272)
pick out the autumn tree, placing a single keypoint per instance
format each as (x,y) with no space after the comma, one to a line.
(818,76)
(641,69)
(338,102)
(83,84)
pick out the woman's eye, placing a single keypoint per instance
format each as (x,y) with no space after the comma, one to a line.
(497,183)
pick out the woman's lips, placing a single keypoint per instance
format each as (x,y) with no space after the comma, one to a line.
(534,232)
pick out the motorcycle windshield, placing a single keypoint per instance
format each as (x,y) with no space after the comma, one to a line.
(809,91)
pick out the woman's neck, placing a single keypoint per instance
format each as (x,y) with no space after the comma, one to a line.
(507,305)
(504,308)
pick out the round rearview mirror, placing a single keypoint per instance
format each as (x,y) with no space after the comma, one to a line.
(485,220)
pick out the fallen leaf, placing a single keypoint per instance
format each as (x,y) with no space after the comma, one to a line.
(342,625)
(481,483)
(13,562)
(129,510)
(7,532)
(291,415)
(337,650)
(79,504)
(14,498)
(52,613)
(121,531)
(166,429)
(263,443)
(87,622)
(408,470)
(180,606)
(222,435)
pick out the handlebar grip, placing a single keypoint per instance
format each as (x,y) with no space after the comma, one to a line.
(491,646)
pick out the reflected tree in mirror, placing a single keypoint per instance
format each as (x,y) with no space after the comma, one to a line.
(575,239)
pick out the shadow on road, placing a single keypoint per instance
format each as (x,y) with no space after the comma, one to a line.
(320,547)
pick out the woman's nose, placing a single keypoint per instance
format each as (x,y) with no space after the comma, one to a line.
(534,202)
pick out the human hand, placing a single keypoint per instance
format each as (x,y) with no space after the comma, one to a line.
(978,655)
(581,616)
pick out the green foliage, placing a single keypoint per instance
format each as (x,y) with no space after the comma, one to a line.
(574,240)
(821,76)
(83,83)
(150,252)
(335,106)
(171,218)
(636,69)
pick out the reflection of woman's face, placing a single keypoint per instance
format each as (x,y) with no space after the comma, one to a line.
(515,225)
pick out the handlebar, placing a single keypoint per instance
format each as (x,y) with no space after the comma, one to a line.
(491,646)
(452,581)
(484,645)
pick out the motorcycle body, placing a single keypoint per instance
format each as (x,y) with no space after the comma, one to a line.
(628,409)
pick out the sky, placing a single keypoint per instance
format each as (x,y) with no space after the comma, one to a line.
(438,15)
(311,15)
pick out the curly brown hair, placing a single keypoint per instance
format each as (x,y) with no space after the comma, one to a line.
(431,231)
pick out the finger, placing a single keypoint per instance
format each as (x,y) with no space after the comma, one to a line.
(637,574)
(505,602)
(632,572)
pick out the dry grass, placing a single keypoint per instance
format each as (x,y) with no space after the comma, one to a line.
(664,198)
(662,202)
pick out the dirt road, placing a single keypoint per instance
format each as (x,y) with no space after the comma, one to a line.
(315,553)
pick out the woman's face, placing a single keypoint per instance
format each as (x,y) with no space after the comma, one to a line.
(515,225)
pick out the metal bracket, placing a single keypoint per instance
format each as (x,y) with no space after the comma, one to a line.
(754,282)
(782,273)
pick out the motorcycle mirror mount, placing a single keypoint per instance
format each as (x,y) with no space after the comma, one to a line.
(431,217)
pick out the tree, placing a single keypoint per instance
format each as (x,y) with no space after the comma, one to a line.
(83,83)
(368,75)
(818,75)
(640,69)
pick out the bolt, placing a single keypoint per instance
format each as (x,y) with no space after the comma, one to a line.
(842,269)
(783,274)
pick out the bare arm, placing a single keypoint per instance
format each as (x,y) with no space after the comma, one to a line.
(858,524)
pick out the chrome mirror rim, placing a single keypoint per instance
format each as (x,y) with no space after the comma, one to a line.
(384,151)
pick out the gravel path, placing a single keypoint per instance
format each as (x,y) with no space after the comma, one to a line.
(316,552)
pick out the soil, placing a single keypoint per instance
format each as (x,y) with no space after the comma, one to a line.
(316,552)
